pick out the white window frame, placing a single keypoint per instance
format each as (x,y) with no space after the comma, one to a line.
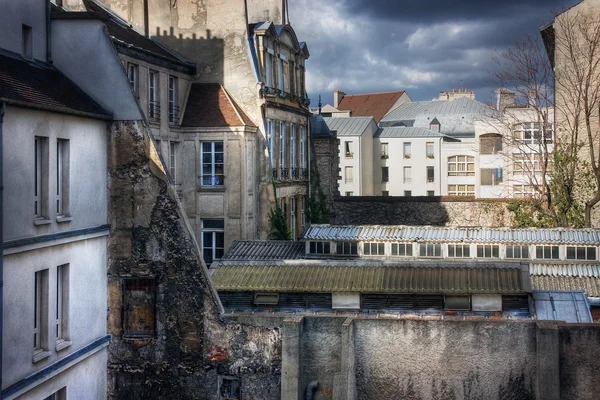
(461,190)
(268,70)
(348,174)
(547,250)
(368,248)
(303,205)
(487,251)
(303,147)
(407,150)
(407,252)
(282,163)
(153,100)
(431,250)
(215,180)
(385,150)
(319,247)
(461,168)
(530,133)
(293,146)
(516,249)
(348,149)
(430,150)
(213,232)
(173,161)
(385,174)
(427,178)
(173,103)
(132,76)
(454,250)
(585,250)
(271,141)
(407,174)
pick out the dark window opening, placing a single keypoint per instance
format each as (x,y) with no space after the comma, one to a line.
(138,307)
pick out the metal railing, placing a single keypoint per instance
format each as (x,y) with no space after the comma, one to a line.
(217,180)
(283,173)
(154,111)
(173,114)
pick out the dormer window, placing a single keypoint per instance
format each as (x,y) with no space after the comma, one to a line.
(434,125)
(268,70)
(27,42)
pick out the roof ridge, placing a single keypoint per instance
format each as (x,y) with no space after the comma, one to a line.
(368,94)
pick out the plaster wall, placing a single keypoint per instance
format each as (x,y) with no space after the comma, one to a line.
(14,15)
(579,348)
(87,171)
(86,310)
(266,10)
(366,179)
(83,51)
(355,162)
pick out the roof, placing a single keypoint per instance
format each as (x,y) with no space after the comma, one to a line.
(453,234)
(584,277)
(42,86)
(435,108)
(123,32)
(349,277)
(318,128)
(568,306)
(209,105)
(375,105)
(349,126)
(264,250)
(407,132)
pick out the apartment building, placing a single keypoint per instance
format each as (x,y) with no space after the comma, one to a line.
(55,219)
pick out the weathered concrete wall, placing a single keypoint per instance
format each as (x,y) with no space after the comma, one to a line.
(579,348)
(325,159)
(440,211)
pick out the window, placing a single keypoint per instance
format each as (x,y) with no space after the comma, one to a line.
(407,193)
(229,388)
(490,143)
(349,194)
(430,174)
(407,150)
(374,249)
(523,191)
(491,176)
(293,217)
(461,190)
(347,248)
(517,251)
(271,140)
(132,75)
(488,251)
(530,163)
(434,125)
(40,311)
(581,253)
(430,250)
(431,193)
(348,174)
(268,70)
(212,164)
(173,104)
(27,42)
(429,150)
(282,164)
(283,207)
(62,177)
(61,394)
(62,306)
(407,175)
(293,147)
(173,161)
(319,248)
(41,178)
(281,82)
(153,99)
(138,307)
(303,202)
(459,250)
(402,249)
(266,298)
(533,133)
(303,152)
(461,166)
(385,151)
(547,252)
(458,303)
(385,193)
(385,174)
(348,149)
(213,239)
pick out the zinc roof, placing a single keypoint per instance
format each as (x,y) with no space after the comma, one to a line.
(408,132)
(349,126)
(264,250)
(318,127)
(435,108)
(452,234)
(350,277)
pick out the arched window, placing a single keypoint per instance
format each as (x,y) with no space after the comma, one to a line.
(461,166)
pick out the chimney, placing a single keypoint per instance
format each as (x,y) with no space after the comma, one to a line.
(505,99)
(338,95)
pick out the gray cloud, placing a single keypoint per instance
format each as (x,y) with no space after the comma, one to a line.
(423,46)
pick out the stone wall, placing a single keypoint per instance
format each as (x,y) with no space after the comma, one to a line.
(325,159)
(439,211)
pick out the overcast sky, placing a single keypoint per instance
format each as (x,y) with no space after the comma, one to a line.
(421,46)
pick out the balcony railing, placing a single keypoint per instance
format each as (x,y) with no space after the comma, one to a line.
(209,181)
(154,111)
(289,174)
(295,174)
(283,173)
(173,114)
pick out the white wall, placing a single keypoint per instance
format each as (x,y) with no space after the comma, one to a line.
(355,162)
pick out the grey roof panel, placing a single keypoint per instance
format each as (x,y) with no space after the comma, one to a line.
(568,306)
(349,126)
(406,132)
(435,108)
(264,250)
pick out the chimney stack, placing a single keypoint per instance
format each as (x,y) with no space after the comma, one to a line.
(505,99)
(338,95)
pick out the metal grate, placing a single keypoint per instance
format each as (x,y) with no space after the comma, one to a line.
(519,304)
(237,300)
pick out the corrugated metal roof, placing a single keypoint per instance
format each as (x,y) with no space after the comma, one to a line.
(407,132)
(571,306)
(590,285)
(575,270)
(264,250)
(374,279)
(435,108)
(450,234)
(349,126)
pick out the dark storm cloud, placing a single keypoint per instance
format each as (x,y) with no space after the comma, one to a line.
(422,46)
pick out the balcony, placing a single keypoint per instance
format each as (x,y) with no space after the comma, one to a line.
(283,174)
(154,112)
(289,174)
(173,114)
(295,173)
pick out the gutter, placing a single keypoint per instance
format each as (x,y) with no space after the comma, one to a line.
(2,112)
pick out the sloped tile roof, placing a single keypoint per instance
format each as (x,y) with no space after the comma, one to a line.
(375,105)
(264,250)
(348,277)
(348,126)
(453,234)
(40,85)
(209,105)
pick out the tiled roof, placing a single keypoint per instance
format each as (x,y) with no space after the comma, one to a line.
(451,234)
(349,126)
(374,105)
(124,32)
(209,105)
(405,132)
(349,277)
(39,85)
(264,250)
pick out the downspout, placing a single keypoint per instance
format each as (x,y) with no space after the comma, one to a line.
(48,33)
(2,112)
(309,393)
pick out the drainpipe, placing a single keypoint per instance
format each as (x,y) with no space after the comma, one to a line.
(48,33)
(309,393)
(146,27)
(2,112)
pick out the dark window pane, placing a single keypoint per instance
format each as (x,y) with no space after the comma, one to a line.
(214,224)
(591,253)
(570,253)
(555,252)
(539,252)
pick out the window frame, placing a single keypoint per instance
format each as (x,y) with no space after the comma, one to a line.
(430,150)
(213,231)
(395,248)
(458,192)
(62,307)
(173,101)
(348,177)
(452,250)
(153,95)
(369,246)
(133,71)
(405,178)
(432,250)
(173,160)
(430,174)
(481,251)
(456,167)
(586,251)
(313,247)
(216,180)
(509,251)
(547,249)
(346,248)
(151,293)
(385,174)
